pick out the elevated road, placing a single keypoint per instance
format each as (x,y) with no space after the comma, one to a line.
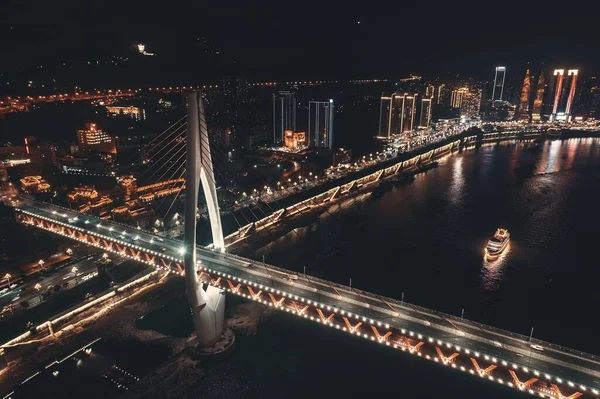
(411,328)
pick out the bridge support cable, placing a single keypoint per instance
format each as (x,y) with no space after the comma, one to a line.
(179,162)
(154,143)
(173,146)
(165,144)
(176,196)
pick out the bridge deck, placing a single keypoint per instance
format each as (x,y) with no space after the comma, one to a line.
(555,362)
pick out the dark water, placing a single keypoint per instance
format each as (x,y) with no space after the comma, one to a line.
(427,240)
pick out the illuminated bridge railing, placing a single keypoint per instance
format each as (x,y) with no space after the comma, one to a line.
(406,305)
(330,301)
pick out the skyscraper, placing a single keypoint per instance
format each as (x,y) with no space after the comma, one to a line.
(384,116)
(539,97)
(441,90)
(397,114)
(458,96)
(523,111)
(468,101)
(320,123)
(562,92)
(471,104)
(426,104)
(498,89)
(284,114)
(430,91)
(409,103)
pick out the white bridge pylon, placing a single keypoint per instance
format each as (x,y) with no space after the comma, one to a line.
(207,302)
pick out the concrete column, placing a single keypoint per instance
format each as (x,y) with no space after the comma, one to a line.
(207,302)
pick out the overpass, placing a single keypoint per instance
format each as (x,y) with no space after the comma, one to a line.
(484,351)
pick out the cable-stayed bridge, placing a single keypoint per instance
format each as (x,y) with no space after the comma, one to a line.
(536,367)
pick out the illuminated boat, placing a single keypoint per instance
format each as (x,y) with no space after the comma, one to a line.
(497,244)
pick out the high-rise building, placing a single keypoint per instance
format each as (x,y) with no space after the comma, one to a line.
(540,89)
(95,139)
(471,104)
(397,114)
(384,116)
(441,90)
(562,93)
(430,91)
(426,104)
(523,111)
(409,104)
(458,96)
(284,114)
(320,123)
(498,89)
(468,101)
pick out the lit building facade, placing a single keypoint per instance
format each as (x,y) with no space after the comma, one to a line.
(498,89)
(95,139)
(284,114)
(471,104)
(407,118)
(34,184)
(295,140)
(384,116)
(523,111)
(397,114)
(320,123)
(562,94)
(538,102)
(134,112)
(129,184)
(426,104)
(457,97)
(468,101)
(441,90)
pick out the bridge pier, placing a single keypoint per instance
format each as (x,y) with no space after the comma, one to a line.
(208,308)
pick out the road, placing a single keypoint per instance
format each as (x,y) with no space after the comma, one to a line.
(60,276)
(562,363)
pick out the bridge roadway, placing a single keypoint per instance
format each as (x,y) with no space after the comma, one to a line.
(553,361)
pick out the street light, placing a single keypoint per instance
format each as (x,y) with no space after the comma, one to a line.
(41,263)
(7,276)
(38,287)
(74,270)
(105,256)
(69,251)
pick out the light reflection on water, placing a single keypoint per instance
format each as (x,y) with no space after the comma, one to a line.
(492,271)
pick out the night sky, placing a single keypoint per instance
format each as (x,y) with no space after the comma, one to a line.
(301,39)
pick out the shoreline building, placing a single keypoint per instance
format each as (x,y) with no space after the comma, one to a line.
(562,93)
(538,102)
(498,89)
(398,113)
(284,114)
(426,106)
(523,111)
(320,123)
(468,101)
